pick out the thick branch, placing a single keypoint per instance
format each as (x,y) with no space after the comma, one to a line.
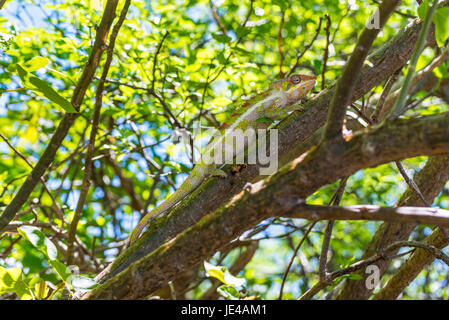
(417,215)
(279,194)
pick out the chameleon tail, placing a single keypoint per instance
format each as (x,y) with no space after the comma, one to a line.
(197,176)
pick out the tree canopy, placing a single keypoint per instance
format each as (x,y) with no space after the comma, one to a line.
(96,95)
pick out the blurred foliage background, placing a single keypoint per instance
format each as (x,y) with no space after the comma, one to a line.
(176,62)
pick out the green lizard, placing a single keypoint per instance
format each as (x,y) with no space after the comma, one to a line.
(281,97)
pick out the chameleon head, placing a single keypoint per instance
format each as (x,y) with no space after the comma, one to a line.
(301,85)
(298,78)
(298,87)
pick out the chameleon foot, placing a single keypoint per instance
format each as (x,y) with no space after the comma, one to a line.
(236,169)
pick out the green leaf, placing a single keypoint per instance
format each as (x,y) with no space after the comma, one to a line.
(222,101)
(440,19)
(422,9)
(11,281)
(36,63)
(441,25)
(41,289)
(354,276)
(61,269)
(39,240)
(242,51)
(61,74)
(442,70)
(11,67)
(43,89)
(23,291)
(318,65)
(83,283)
(228,292)
(222,274)
(242,31)
(222,38)
(221,58)
(214,272)
(229,279)
(281,3)
(8,279)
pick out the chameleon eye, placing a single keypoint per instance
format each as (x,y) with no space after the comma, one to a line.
(295,79)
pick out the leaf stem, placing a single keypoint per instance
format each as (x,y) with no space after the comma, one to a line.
(399,105)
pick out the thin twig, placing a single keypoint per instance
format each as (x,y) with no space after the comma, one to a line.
(306,48)
(248,15)
(411,183)
(384,95)
(169,114)
(217,17)
(155,60)
(399,12)
(281,45)
(417,79)
(361,114)
(339,23)
(11,90)
(287,270)
(336,198)
(56,207)
(335,201)
(326,51)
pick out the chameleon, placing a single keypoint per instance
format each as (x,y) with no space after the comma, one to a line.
(281,97)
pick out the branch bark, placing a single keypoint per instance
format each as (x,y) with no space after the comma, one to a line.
(416,215)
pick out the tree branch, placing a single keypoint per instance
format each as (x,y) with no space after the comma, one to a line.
(430,180)
(280,194)
(93,133)
(412,267)
(371,260)
(346,83)
(416,215)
